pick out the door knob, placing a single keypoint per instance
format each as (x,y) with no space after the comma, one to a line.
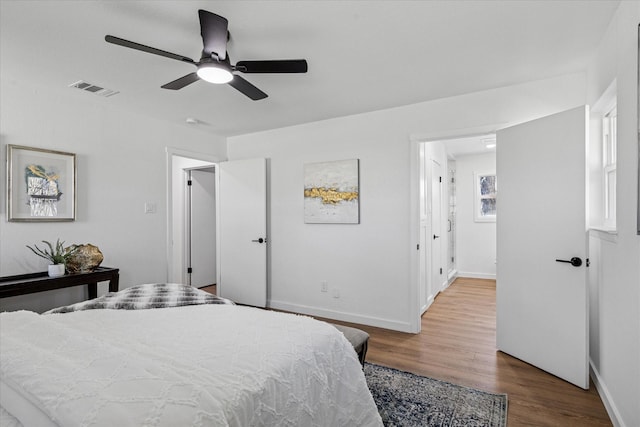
(260,240)
(575,261)
(435,237)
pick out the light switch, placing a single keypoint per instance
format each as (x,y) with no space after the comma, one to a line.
(149,208)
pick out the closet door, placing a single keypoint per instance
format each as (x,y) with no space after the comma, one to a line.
(242,231)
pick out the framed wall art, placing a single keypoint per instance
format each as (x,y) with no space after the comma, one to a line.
(41,185)
(332,192)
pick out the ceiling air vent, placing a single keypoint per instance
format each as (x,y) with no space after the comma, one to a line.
(100,91)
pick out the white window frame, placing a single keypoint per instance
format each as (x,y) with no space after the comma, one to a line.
(478,216)
(609,164)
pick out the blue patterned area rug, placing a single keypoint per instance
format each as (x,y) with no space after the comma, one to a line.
(406,399)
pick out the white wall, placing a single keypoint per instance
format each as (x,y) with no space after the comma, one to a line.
(373,264)
(615,259)
(475,241)
(121,163)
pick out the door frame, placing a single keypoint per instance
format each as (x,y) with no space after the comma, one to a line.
(424,282)
(175,257)
(414,303)
(188,223)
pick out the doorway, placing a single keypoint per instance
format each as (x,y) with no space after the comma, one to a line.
(200,223)
(452,243)
(527,324)
(239,184)
(178,163)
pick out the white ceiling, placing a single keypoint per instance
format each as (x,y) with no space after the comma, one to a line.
(362,55)
(477,144)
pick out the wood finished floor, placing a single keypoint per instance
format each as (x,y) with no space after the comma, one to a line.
(457,344)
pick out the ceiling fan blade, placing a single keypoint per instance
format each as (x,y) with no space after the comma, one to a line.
(213,29)
(138,46)
(247,88)
(182,82)
(273,66)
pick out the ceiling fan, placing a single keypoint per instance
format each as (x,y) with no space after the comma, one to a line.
(215,66)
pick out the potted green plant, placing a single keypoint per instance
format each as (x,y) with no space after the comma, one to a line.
(57,255)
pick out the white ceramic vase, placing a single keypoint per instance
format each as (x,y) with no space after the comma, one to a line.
(56,270)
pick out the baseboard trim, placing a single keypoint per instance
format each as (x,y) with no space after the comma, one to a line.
(339,315)
(476,275)
(425,307)
(453,275)
(603,391)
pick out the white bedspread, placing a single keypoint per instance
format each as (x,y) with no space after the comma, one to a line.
(206,365)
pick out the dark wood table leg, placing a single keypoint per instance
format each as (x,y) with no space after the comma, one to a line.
(114,283)
(93,290)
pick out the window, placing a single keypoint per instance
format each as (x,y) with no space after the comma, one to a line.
(609,160)
(603,153)
(486,191)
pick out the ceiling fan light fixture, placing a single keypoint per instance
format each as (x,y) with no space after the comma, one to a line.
(489,143)
(213,72)
(214,65)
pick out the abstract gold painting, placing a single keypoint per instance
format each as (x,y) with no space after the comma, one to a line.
(332,192)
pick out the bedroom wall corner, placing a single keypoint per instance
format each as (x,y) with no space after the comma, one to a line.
(120,167)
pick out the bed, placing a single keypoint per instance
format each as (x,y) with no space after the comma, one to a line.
(114,362)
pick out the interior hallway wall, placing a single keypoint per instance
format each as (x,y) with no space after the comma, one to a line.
(475,241)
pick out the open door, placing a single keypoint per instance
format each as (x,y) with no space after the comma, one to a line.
(542,295)
(242,231)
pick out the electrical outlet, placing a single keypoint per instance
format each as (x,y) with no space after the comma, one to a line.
(336,293)
(324,286)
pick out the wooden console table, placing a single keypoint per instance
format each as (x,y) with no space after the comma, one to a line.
(39,282)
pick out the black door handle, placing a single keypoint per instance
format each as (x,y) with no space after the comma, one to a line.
(435,237)
(260,240)
(575,261)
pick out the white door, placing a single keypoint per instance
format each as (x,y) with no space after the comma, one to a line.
(437,266)
(542,304)
(242,231)
(202,228)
